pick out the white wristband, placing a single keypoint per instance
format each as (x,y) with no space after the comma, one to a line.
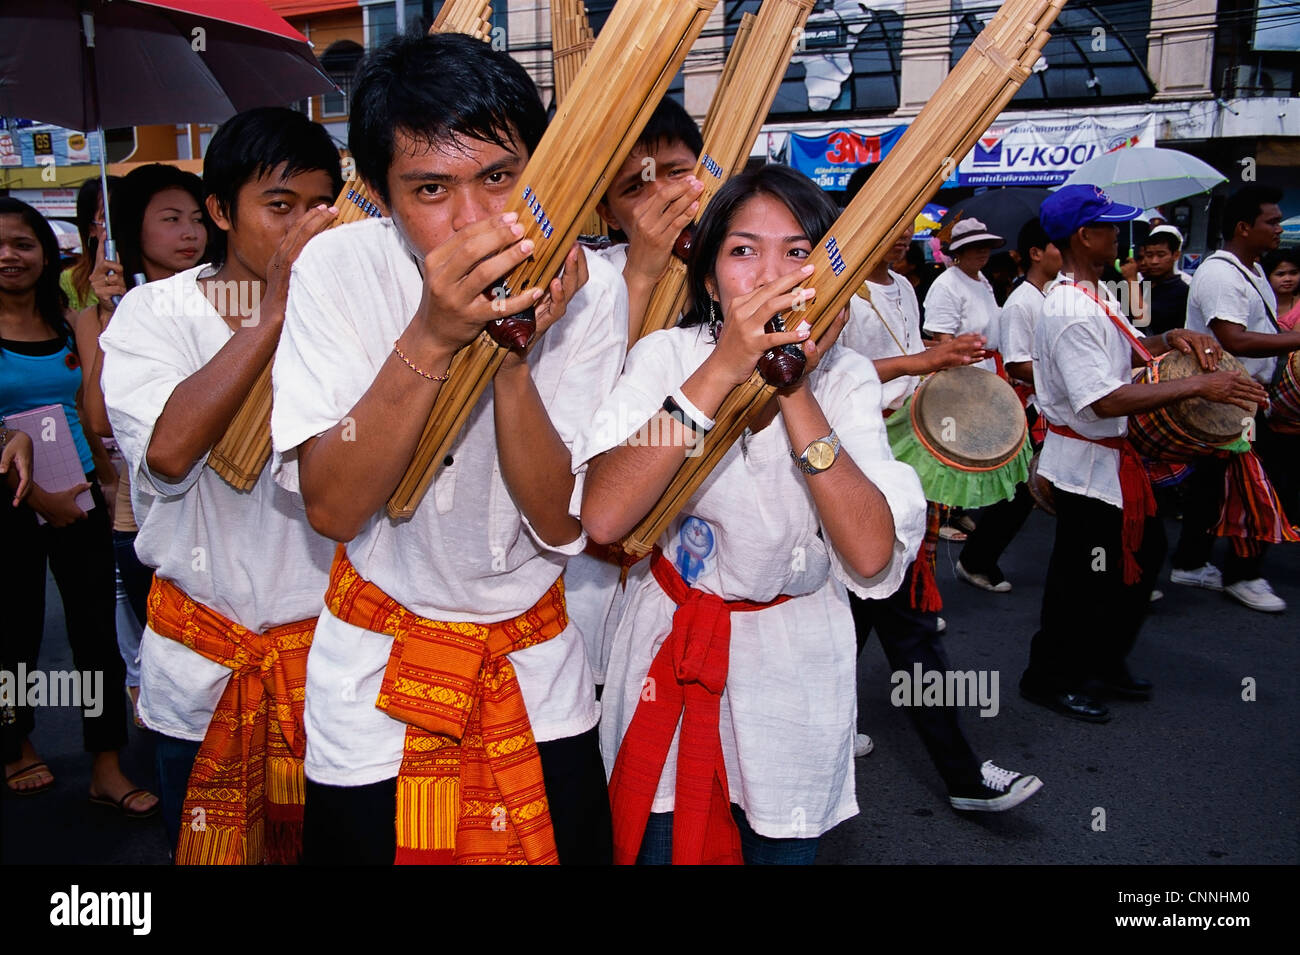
(692,412)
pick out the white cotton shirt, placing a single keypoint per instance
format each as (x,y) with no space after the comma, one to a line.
(751,532)
(1220,290)
(887,326)
(960,305)
(592,590)
(467,553)
(1079,356)
(249,555)
(1017,321)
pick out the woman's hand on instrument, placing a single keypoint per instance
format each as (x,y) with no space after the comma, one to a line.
(59,508)
(743,341)
(1206,348)
(313,223)
(553,305)
(106,280)
(18,456)
(659,215)
(960,350)
(462,290)
(1231,387)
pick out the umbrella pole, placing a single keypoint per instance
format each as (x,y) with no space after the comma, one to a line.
(88,31)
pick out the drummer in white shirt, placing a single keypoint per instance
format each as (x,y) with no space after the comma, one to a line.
(1232,299)
(1109,543)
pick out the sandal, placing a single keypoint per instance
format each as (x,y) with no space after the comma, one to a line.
(120,804)
(949,533)
(26,772)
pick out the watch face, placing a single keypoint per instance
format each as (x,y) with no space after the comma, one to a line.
(821,455)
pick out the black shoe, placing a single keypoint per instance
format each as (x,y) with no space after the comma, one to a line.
(1075,705)
(1125,686)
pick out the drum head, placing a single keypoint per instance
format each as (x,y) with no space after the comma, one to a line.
(1212,422)
(971,416)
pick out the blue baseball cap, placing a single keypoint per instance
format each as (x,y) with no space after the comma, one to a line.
(1072,207)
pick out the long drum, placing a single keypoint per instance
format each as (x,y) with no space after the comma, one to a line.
(964,432)
(1193,427)
(1285,396)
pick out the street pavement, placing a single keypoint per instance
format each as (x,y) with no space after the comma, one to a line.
(1196,776)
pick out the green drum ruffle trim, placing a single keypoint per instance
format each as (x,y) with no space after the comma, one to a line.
(1240,446)
(953,486)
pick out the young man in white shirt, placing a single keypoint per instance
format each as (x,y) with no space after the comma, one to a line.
(1109,544)
(450,709)
(998,525)
(180,355)
(1231,298)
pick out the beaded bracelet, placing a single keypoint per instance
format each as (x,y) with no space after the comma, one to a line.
(417,369)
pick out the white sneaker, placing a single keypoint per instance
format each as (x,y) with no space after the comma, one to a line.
(862,745)
(983,581)
(1209,577)
(1157,595)
(1257,595)
(940,625)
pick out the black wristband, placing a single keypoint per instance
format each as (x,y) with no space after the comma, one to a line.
(674,409)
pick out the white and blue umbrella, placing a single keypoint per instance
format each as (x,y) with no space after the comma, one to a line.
(1147,178)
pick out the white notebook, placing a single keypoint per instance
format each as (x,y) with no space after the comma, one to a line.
(56,466)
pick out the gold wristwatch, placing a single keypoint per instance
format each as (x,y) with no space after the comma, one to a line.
(819,455)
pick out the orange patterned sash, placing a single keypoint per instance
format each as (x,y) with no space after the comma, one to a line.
(470,790)
(244,801)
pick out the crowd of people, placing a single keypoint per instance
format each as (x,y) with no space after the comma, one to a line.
(489,679)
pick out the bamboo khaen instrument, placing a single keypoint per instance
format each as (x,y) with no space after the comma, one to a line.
(640,49)
(245,448)
(571,41)
(964,106)
(759,57)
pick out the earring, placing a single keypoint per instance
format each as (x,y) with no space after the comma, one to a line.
(715,320)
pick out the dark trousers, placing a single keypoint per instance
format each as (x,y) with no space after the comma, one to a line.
(910,636)
(136,577)
(355,825)
(1090,617)
(81,558)
(996,528)
(1280,455)
(657,844)
(174,759)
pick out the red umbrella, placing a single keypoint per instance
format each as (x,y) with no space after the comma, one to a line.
(149,61)
(85,64)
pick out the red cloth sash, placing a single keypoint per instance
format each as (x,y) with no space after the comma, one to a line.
(685,681)
(1135,491)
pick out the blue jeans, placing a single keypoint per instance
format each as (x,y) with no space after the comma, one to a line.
(657,844)
(175,759)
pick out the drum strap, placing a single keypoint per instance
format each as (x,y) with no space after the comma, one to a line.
(1134,339)
(1232,260)
(1139,501)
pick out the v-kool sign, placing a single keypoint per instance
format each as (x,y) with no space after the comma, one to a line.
(1044,154)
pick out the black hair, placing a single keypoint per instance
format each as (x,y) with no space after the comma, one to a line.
(812,209)
(434,88)
(670,123)
(1167,239)
(1245,205)
(87,203)
(1275,258)
(51,303)
(858,180)
(1032,235)
(131,197)
(256,142)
